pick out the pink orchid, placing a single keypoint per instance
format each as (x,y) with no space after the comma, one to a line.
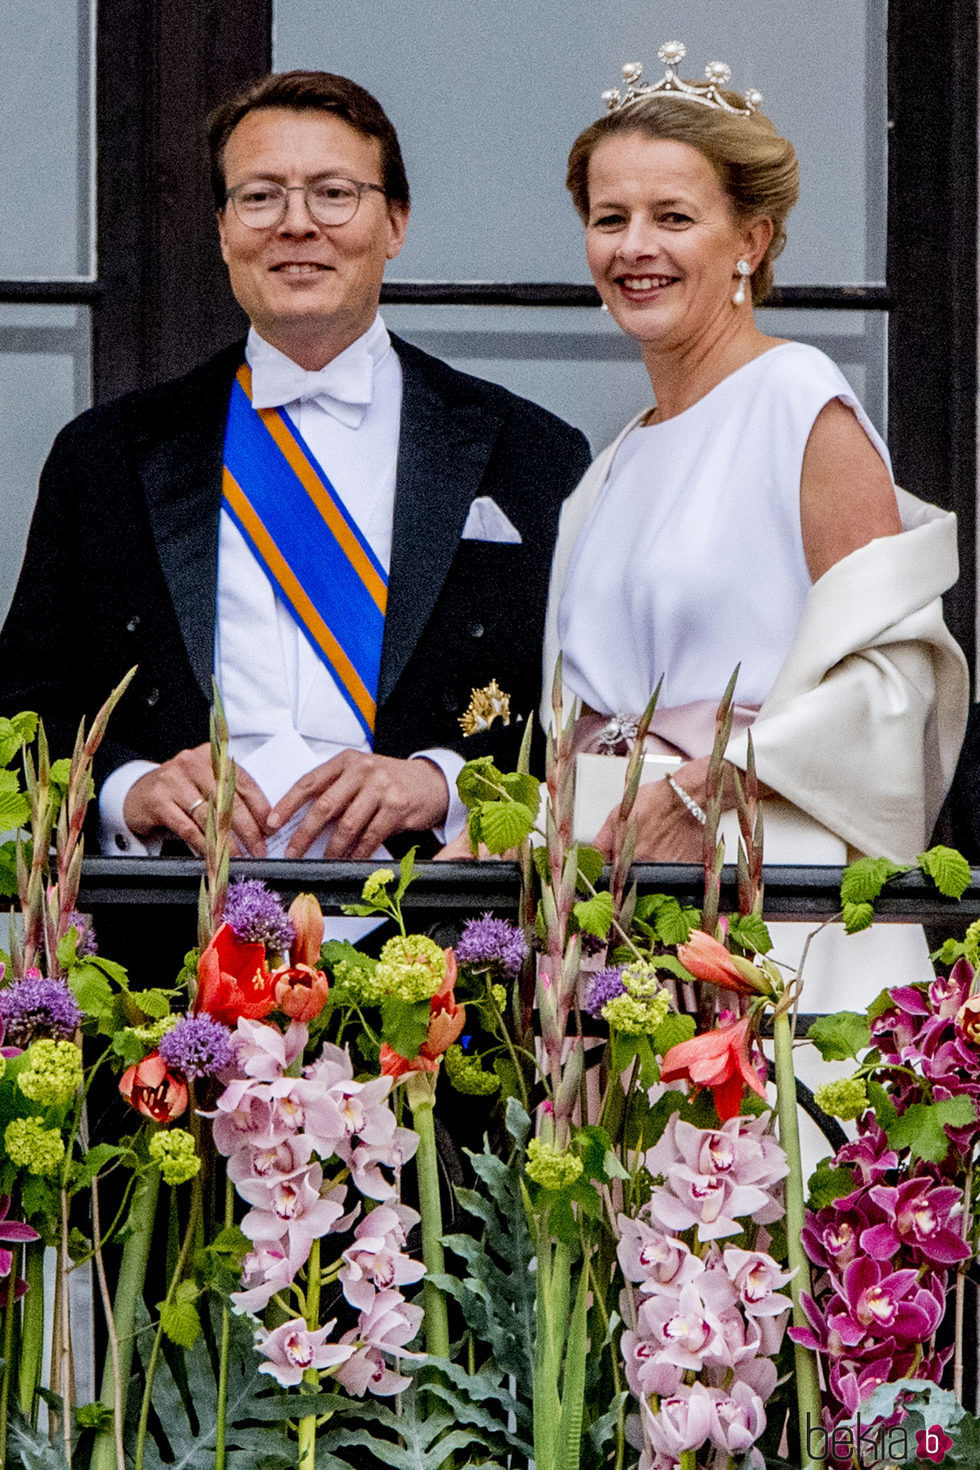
(738,1418)
(244,1115)
(292,1349)
(654,1260)
(684,1330)
(271,1164)
(383,1329)
(13,1232)
(682,1422)
(265,1271)
(645,1372)
(757,1279)
(374,1262)
(263,1051)
(291,1207)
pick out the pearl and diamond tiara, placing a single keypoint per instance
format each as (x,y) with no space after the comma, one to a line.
(707,93)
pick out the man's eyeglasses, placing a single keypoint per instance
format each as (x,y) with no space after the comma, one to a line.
(260,203)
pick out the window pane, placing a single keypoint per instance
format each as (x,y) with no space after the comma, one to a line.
(46,122)
(577,363)
(487,109)
(44,382)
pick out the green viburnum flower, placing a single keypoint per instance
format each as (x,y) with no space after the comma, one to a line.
(845,1098)
(153,1032)
(550,1166)
(499,993)
(33,1147)
(411,966)
(971,943)
(355,985)
(53,1073)
(634,1016)
(466,1074)
(641,981)
(375,885)
(173,1150)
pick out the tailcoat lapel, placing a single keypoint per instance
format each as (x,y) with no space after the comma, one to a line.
(443,450)
(179,457)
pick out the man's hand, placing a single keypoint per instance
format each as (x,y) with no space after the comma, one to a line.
(364,799)
(174,798)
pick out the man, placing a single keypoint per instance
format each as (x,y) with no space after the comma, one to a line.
(350,535)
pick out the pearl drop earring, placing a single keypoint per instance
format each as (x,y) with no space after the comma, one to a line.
(744,269)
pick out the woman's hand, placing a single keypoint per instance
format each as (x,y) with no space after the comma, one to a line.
(666,832)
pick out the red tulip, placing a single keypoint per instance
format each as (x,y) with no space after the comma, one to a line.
(717,1059)
(153,1090)
(300,991)
(446,1021)
(233,979)
(708,960)
(307,917)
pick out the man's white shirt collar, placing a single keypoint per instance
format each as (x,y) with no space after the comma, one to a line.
(344,388)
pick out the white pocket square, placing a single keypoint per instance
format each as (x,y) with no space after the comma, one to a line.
(487,522)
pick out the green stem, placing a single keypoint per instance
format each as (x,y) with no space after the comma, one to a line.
(8,1366)
(219,1434)
(421,1100)
(807,1381)
(32,1331)
(307,1425)
(129,1290)
(175,1281)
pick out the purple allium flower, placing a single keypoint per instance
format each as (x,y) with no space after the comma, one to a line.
(604,986)
(490,941)
(35,1007)
(87,944)
(198,1046)
(257,916)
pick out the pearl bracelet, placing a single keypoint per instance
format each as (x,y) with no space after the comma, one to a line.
(697,812)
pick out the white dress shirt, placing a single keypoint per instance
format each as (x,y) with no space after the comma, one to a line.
(272,683)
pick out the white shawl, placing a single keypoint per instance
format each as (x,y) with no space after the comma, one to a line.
(863,726)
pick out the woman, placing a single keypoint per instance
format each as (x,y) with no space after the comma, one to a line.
(750,517)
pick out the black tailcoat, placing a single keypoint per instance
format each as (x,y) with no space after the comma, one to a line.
(121,564)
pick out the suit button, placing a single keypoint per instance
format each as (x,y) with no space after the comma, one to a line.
(122,842)
(153,697)
(133,623)
(475,630)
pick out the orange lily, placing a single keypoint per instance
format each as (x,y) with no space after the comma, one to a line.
(708,960)
(153,1090)
(300,991)
(717,1059)
(233,979)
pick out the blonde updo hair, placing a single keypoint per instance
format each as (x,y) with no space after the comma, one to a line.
(756,167)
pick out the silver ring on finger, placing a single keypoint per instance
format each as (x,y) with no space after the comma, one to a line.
(195,804)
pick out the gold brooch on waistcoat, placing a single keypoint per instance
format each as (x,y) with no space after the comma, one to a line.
(485,706)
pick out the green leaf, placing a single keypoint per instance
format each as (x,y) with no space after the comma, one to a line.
(479,780)
(179,1317)
(504,824)
(672,1030)
(947,868)
(880,1100)
(404,1024)
(8,870)
(92,990)
(153,1003)
(673,925)
(526,789)
(15,734)
(750,932)
(95,1161)
(858,916)
(594,915)
(827,1184)
(863,880)
(573,1384)
(840,1037)
(14,805)
(590,863)
(406,872)
(922,1127)
(596,1151)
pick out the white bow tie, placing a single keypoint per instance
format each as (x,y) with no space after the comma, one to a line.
(344,388)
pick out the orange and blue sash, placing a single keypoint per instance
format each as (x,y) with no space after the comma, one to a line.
(307,543)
